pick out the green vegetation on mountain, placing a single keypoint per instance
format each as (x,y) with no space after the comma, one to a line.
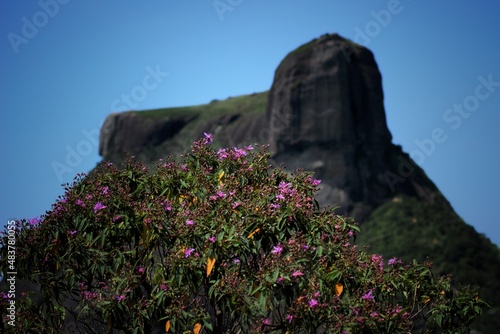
(413,229)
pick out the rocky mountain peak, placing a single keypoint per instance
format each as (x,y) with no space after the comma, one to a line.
(326,113)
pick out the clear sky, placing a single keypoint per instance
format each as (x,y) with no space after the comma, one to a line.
(66,64)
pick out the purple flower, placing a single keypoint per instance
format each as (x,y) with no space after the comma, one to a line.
(90,295)
(120,298)
(236,261)
(289,318)
(79,202)
(188,252)
(221,194)
(377,259)
(248,148)
(235,205)
(280,197)
(393,261)
(99,206)
(277,250)
(266,321)
(275,206)
(212,239)
(34,221)
(72,232)
(368,295)
(140,270)
(397,309)
(208,137)
(316,182)
(297,273)
(313,302)
(167,205)
(222,153)
(239,153)
(105,190)
(189,222)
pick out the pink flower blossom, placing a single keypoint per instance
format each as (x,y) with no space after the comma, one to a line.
(34,221)
(313,302)
(222,153)
(208,138)
(212,239)
(188,252)
(105,191)
(297,273)
(189,222)
(394,261)
(120,298)
(277,250)
(368,295)
(289,318)
(99,206)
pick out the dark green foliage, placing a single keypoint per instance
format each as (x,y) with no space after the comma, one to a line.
(420,230)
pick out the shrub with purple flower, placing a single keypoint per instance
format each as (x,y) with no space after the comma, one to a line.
(204,240)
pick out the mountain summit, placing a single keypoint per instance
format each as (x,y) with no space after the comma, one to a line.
(325,113)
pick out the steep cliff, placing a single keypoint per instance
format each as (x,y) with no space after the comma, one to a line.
(325,113)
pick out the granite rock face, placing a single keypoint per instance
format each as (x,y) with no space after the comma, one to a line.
(129,133)
(327,115)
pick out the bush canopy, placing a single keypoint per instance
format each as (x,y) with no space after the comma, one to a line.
(217,243)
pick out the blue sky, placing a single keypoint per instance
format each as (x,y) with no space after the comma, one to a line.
(66,64)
